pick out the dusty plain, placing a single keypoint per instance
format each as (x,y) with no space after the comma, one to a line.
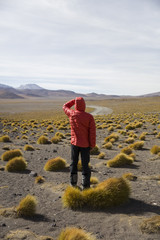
(51,217)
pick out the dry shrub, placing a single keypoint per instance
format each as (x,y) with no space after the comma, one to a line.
(24,137)
(94,180)
(111,192)
(8,155)
(55,139)
(108,145)
(101,155)
(50,128)
(119,160)
(55,164)
(142,136)
(60,135)
(73,233)
(158,135)
(25,234)
(5,138)
(151,225)
(137,145)
(43,140)
(114,136)
(130,140)
(127,150)
(129,176)
(27,206)
(130,126)
(95,150)
(39,179)
(155,149)
(16,164)
(73,198)
(28,148)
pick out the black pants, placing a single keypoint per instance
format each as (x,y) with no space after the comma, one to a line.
(85,159)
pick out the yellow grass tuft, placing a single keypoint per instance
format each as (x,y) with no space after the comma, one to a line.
(111,192)
(137,145)
(95,150)
(39,179)
(73,233)
(127,150)
(73,198)
(5,138)
(27,206)
(94,180)
(101,155)
(28,148)
(119,160)
(43,140)
(16,164)
(8,155)
(151,225)
(129,176)
(55,139)
(108,145)
(55,164)
(155,149)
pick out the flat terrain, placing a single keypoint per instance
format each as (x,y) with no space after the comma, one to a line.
(122,222)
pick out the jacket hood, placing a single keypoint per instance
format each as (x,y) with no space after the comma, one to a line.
(80,104)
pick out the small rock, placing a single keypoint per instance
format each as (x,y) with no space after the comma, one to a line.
(3,225)
(54,150)
(33,174)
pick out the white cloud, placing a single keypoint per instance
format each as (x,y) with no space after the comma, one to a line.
(83,45)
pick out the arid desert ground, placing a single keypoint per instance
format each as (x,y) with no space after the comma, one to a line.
(134,120)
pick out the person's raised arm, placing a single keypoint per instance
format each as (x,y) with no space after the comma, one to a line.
(67,107)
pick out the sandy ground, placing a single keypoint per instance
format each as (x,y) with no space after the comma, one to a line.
(111,224)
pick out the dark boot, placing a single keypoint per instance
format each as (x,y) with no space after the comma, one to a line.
(73,180)
(85,181)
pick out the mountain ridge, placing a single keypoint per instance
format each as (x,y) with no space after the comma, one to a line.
(35,91)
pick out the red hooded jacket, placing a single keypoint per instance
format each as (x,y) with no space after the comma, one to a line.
(83,130)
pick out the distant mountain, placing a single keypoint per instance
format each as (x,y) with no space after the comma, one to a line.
(3,86)
(156,94)
(30,86)
(35,91)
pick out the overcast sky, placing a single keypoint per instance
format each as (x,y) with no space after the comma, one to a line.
(103,46)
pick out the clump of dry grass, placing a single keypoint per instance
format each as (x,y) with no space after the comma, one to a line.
(8,155)
(43,140)
(5,138)
(55,139)
(108,145)
(79,165)
(95,150)
(126,150)
(130,140)
(73,233)
(28,148)
(25,234)
(155,149)
(39,179)
(137,145)
(94,180)
(27,206)
(112,136)
(55,164)
(151,225)
(119,160)
(129,176)
(109,193)
(101,155)
(17,164)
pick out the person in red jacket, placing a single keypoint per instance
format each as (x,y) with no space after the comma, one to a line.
(83,139)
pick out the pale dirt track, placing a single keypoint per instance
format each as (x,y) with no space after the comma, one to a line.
(98,110)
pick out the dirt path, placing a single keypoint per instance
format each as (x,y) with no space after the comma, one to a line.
(100,110)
